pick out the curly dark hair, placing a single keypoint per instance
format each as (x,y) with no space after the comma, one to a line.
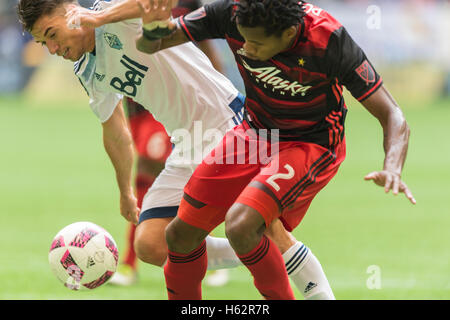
(274,15)
(29,11)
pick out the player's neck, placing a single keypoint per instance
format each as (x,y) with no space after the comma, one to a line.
(90,38)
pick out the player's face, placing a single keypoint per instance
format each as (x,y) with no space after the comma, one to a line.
(259,46)
(52,31)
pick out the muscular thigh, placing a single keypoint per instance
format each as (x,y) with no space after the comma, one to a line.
(285,188)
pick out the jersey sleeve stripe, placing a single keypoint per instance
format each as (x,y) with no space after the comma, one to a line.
(371,91)
(185,29)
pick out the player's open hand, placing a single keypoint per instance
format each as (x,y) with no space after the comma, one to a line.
(129,208)
(81,17)
(155,10)
(390,181)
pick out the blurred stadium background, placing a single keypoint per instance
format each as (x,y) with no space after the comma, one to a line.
(54,171)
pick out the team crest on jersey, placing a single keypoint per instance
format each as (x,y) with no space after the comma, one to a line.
(113,41)
(196,15)
(366,72)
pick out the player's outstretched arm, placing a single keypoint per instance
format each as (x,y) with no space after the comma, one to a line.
(396,137)
(119,147)
(78,16)
(159,31)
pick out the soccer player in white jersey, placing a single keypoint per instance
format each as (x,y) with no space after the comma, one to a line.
(183,91)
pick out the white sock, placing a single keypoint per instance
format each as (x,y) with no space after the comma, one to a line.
(220,254)
(307,274)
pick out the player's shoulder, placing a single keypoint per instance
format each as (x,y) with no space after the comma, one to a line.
(98,5)
(184,7)
(102,4)
(190,4)
(223,7)
(319,24)
(213,20)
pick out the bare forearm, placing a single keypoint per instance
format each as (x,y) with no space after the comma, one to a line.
(118,144)
(120,151)
(396,139)
(395,129)
(125,10)
(147,46)
(208,48)
(159,30)
(151,46)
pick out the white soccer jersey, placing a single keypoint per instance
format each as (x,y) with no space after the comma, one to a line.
(178,85)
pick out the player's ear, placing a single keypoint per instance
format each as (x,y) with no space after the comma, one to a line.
(289,33)
(70,6)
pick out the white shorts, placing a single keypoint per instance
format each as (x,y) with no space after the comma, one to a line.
(164,196)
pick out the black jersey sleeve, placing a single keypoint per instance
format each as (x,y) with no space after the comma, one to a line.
(185,7)
(208,22)
(348,63)
(190,4)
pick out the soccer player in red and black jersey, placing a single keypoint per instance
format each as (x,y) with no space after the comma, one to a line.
(295,59)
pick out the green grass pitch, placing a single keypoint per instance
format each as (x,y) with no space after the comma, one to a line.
(54,171)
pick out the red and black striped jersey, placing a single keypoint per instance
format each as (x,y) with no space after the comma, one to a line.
(298,91)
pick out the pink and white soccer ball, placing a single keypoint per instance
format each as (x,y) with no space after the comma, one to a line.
(83,255)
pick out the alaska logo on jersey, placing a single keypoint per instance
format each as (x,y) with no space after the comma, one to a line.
(133,77)
(269,77)
(113,41)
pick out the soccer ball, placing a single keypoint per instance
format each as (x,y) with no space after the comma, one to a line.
(83,255)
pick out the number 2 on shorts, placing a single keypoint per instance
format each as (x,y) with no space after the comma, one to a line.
(285,176)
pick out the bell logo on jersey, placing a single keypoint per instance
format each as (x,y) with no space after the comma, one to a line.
(133,75)
(268,77)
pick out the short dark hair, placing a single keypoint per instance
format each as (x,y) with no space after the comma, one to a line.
(29,11)
(274,15)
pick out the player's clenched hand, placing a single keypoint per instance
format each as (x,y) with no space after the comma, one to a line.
(390,181)
(129,208)
(155,10)
(81,17)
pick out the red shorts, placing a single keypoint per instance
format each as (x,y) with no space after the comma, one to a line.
(149,136)
(281,186)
